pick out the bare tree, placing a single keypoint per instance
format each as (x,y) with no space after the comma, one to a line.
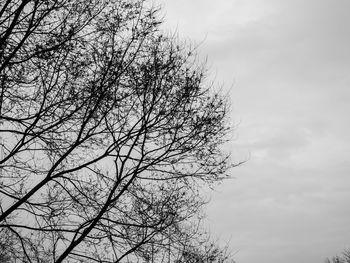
(202,249)
(107,128)
(344,258)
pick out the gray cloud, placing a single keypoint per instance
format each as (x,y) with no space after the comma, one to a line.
(289,63)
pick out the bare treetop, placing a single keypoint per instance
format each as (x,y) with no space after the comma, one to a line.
(106,126)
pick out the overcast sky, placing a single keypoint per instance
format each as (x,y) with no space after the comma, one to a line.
(286,63)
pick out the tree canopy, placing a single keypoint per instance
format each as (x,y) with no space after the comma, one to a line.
(344,258)
(107,128)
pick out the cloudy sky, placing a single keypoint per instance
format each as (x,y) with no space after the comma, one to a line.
(286,63)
